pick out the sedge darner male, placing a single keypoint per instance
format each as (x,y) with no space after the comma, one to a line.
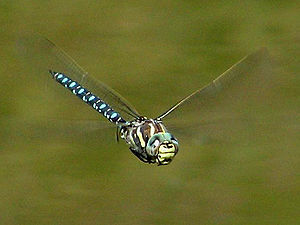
(149,138)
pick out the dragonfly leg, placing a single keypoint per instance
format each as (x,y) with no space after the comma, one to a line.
(142,156)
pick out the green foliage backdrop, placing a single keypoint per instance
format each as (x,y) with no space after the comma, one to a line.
(154,53)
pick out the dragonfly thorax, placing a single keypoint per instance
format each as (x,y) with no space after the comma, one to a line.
(150,141)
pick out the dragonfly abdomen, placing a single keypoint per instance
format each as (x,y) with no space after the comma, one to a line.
(88,97)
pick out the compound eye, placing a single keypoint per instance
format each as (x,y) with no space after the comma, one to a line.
(155,144)
(174,140)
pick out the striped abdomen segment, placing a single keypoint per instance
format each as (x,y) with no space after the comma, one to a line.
(88,97)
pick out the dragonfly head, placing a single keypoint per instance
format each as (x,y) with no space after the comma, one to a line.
(163,147)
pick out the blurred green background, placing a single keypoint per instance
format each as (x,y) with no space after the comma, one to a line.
(154,53)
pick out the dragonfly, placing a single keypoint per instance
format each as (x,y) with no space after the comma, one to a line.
(148,138)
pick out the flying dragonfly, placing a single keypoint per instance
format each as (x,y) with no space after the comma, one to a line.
(148,138)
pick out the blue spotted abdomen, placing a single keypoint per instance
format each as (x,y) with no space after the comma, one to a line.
(88,97)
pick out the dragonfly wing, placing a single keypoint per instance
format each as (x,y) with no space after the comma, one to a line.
(228,103)
(53,128)
(45,55)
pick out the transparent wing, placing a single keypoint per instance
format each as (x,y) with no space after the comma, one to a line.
(52,128)
(229,104)
(45,56)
